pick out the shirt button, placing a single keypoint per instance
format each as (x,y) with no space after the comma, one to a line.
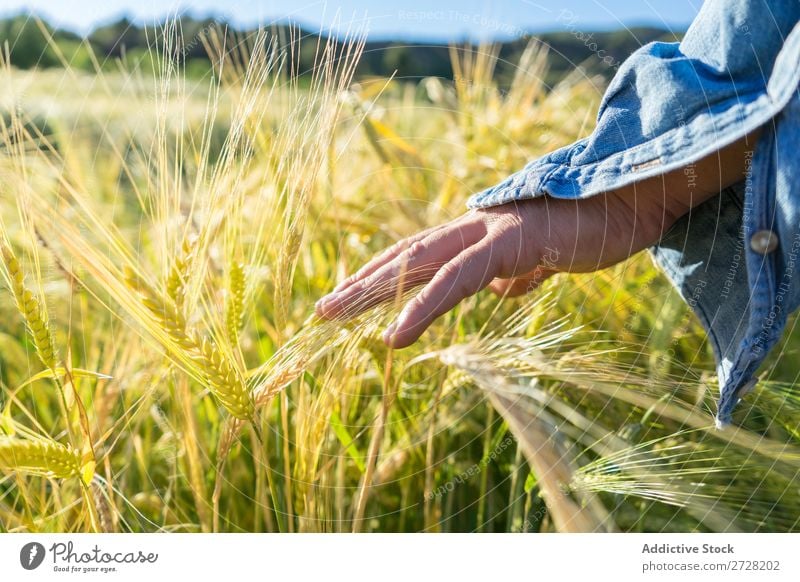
(764,241)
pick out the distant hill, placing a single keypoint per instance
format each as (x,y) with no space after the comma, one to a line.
(599,52)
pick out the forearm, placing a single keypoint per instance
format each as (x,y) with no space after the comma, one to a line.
(673,194)
(587,234)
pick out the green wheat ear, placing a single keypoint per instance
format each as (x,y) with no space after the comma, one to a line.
(28,304)
(178,274)
(235,311)
(44,458)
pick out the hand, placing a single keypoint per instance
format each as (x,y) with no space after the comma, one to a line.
(514,247)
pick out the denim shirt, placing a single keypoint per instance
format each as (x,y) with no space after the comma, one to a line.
(733,258)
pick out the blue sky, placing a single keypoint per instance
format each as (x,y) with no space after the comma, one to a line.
(405,19)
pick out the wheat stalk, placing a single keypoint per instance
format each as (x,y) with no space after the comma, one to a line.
(105,516)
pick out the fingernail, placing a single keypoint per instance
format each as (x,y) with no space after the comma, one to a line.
(388,335)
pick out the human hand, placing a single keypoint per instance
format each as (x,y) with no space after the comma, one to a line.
(514,247)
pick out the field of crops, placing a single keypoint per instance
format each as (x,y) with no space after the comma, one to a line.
(164,242)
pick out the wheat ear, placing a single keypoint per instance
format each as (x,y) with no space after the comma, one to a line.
(30,307)
(45,458)
(176,280)
(235,305)
(223,380)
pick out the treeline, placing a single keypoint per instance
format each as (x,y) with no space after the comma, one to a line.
(30,45)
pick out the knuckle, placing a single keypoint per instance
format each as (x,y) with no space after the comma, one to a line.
(393,250)
(418,302)
(416,250)
(399,246)
(371,282)
(451,270)
(451,280)
(363,283)
(417,305)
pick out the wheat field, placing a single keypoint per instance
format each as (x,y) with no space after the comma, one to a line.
(164,240)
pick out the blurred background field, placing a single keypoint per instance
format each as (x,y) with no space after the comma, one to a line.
(169,220)
(408,60)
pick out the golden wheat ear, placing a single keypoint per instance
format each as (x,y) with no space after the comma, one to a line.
(221,375)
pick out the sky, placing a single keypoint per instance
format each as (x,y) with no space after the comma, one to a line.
(403,19)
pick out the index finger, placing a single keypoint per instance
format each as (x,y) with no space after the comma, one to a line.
(469,272)
(387,255)
(414,266)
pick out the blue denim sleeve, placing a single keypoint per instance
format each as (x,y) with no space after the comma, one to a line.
(734,257)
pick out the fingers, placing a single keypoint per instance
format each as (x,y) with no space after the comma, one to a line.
(383,258)
(516,286)
(415,265)
(463,276)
